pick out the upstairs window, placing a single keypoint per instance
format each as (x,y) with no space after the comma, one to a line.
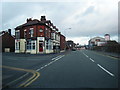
(25,33)
(31,32)
(41,30)
(97,40)
(17,34)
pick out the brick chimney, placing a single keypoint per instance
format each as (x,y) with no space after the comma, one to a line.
(43,18)
(9,31)
(29,19)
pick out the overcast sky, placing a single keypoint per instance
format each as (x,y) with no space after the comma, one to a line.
(86,18)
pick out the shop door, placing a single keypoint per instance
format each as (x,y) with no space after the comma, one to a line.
(40,47)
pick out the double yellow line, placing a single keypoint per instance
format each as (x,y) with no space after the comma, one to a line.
(28,81)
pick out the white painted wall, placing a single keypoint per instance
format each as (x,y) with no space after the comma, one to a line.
(22,45)
(17,41)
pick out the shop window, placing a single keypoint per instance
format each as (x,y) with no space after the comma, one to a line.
(17,45)
(33,45)
(28,45)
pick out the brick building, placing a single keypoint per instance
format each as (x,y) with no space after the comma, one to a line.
(62,42)
(8,41)
(37,36)
(70,44)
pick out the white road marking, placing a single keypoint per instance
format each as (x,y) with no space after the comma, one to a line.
(48,63)
(106,70)
(100,66)
(37,69)
(45,65)
(85,55)
(41,67)
(53,60)
(92,60)
(88,57)
(56,57)
(18,79)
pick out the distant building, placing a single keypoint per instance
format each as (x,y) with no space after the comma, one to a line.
(62,42)
(37,36)
(8,41)
(96,41)
(112,46)
(111,43)
(107,37)
(70,44)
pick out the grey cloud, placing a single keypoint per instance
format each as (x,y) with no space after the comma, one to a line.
(87,23)
(89,10)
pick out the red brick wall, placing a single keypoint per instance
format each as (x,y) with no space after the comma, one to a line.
(48,32)
(8,42)
(62,42)
(40,34)
(28,29)
(37,33)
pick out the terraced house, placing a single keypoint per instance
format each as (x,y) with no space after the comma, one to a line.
(38,36)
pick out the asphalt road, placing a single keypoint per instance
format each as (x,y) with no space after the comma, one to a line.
(76,69)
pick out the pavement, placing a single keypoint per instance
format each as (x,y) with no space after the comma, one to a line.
(75,69)
(112,54)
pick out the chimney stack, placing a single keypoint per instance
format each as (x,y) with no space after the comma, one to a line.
(29,19)
(107,37)
(9,31)
(43,18)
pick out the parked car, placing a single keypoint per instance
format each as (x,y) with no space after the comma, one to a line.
(73,49)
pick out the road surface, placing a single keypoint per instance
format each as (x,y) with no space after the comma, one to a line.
(75,69)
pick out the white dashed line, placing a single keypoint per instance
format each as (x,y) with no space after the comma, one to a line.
(92,60)
(85,55)
(53,60)
(48,63)
(56,57)
(45,66)
(88,57)
(17,79)
(38,70)
(41,67)
(106,70)
(100,66)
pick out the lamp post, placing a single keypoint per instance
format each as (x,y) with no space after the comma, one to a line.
(66,37)
(65,31)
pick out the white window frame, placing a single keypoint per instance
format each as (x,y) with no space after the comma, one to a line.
(41,30)
(25,33)
(29,45)
(17,46)
(33,43)
(18,34)
(31,32)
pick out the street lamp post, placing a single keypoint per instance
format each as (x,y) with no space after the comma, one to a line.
(65,31)
(66,37)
